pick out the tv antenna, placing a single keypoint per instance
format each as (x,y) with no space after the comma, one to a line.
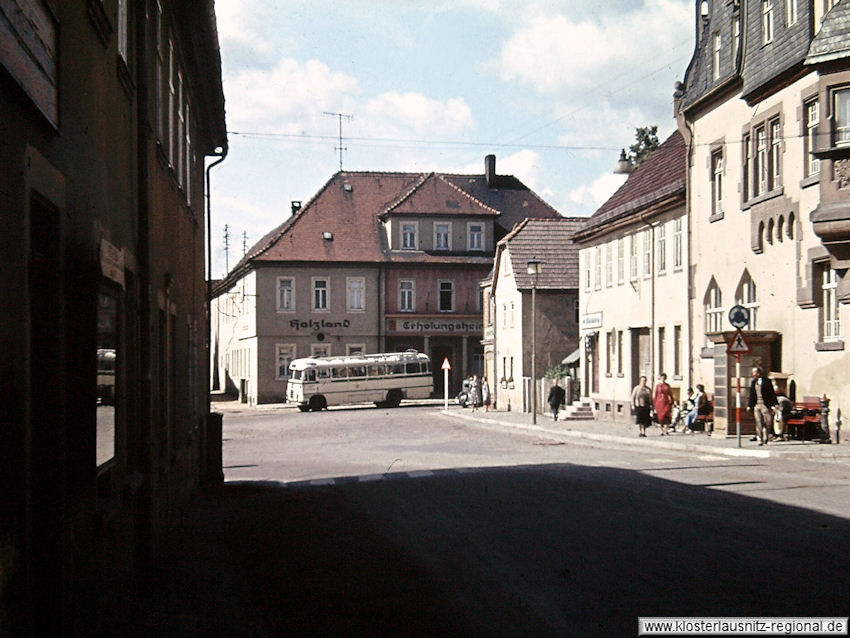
(340,117)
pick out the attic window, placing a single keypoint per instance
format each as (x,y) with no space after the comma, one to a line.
(347,187)
(327,236)
(452,204)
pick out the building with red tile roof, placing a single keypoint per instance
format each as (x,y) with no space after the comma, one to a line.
(375,261)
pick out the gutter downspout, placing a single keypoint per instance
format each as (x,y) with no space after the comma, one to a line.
(221,154)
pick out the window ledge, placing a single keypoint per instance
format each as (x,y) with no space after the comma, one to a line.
(776,192)
(716,217)
(811,180)
(828,346)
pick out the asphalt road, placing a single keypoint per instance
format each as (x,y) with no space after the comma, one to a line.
(402,522)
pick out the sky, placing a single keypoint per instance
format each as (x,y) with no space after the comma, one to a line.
(553,88)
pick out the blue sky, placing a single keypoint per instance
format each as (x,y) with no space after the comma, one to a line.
(554,89)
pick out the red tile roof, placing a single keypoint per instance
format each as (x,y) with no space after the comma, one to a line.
(660,177)
(350,206)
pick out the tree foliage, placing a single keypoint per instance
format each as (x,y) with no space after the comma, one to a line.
(646,141)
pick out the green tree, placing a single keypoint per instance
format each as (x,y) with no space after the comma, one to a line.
(646,141)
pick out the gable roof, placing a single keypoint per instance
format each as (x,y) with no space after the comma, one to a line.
(658,180)
(351,204)
(548,240)
(434,195)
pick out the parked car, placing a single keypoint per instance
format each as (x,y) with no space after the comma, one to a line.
(462,398)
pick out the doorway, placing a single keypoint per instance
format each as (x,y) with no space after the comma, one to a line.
(641,355)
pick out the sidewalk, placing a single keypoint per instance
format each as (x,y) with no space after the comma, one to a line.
(625,432)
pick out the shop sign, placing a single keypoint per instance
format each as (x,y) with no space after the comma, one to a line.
(112,262)
(591,321)
(318,324)
(435,326)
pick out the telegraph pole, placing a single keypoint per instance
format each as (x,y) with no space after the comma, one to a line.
(226,248)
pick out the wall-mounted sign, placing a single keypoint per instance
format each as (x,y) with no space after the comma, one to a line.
(112,262)
(436,325)
(591,321)
(318,324)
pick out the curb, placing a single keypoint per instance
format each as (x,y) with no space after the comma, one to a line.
(823,454)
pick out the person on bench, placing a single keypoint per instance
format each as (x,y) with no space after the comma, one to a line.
(700,404)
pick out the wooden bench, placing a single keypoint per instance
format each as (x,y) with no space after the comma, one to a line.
(803,422)
(703,420)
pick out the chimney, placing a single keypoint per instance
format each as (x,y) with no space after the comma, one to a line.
(296,206)
(490,170)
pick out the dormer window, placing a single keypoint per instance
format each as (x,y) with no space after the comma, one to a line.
(442,236)
(408,236)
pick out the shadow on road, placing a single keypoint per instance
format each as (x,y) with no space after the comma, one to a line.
(550,550)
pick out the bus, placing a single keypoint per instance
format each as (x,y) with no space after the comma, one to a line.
(385,379)
(105,376)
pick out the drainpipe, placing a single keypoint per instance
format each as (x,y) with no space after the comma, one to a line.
(221,154)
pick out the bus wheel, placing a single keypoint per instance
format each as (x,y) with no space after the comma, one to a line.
(394,398)
(318,403)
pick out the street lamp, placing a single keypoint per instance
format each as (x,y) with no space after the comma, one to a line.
(534,266)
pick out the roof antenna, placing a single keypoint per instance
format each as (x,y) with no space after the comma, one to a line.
(340,117)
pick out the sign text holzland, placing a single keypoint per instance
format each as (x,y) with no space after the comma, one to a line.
(318,324)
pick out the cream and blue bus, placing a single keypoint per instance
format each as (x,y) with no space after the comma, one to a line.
(385,379)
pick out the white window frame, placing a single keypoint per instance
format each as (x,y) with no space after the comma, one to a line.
(354,348)
(760,178)
(597,268)
(748,297)
(775,139)
(471,235)
(841,116)
(661,237)
(281,306)
(767,21)
(717,46)
(440,290)
(609,264)
(327,294)
(633,257)
(448,236)
(280,348)
(588,277)
(647,254)
(831,306)
(736,39)
(717,182)
(351,284)
(621,266)
(403,292)
(714,309)
(409,230)
(792,12)
(677,243)
(811,110)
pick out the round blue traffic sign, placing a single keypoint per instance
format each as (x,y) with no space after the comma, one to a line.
(739,317)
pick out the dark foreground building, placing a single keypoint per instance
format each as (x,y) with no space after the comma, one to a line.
(107,112)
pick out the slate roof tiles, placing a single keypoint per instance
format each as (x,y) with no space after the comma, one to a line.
(548,240)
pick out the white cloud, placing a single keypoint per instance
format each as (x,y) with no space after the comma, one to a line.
(555,53)
(589,197)
(418,114)
(289,98)
(234,20)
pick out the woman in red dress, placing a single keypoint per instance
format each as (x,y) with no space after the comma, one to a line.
(662,402)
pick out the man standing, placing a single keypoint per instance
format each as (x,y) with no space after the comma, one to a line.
(761,401)
(557,394)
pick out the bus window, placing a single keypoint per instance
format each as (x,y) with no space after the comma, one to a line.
(296,375)
(339,373)
(412,368)
(377,370)
(357,371)
(425,366)
(309,375)
(323,373)
(398,368)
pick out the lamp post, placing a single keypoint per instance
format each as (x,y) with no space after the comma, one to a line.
(533,269)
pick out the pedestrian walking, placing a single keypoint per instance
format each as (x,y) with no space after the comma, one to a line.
(486,397)
(761,401)
(475,393)
(642,405)
(557,394)
(662,402)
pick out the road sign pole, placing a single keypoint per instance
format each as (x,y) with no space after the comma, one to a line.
(738,397)
(446,367)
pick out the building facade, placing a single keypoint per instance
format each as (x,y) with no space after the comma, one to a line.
(509,314)
(107,110)
(764,108)
(374,262)
(634,309)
